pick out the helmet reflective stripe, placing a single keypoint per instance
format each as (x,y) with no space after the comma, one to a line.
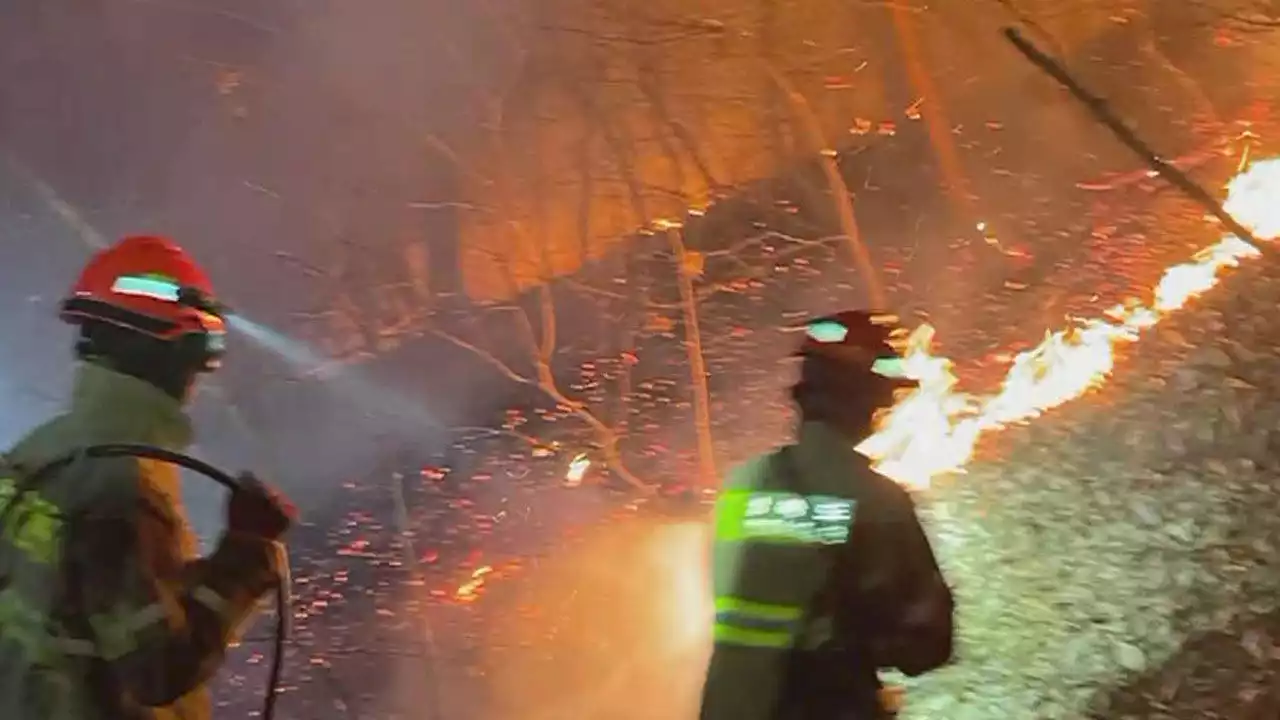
(827,331)
(890,367)
(33,645)
(152,287)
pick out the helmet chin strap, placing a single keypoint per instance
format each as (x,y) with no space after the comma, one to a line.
(170,366)
(177,385)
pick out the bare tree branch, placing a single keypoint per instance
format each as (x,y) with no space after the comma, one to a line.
(542,347)
(840,194)
(1259,15)
(800,246)
(530,440)
(488,357)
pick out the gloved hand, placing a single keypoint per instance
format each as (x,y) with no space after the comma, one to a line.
(256,509)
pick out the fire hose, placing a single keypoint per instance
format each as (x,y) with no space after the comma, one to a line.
(149,452)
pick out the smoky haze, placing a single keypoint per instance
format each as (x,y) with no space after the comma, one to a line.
(294,148)
(285,146)
(282,143)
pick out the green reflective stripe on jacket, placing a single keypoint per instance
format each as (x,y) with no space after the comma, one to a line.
(739,606)
(782,517)
(744,622)
(729,635)
(778,518)
(29,567)
(32,524)
(766,551)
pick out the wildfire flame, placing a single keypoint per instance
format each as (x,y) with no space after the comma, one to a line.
(934,429)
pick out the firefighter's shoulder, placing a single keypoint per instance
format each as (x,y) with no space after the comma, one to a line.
(751,473)
(892,499)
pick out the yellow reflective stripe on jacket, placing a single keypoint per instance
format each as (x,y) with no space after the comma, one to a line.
(745,622)
(776,639)
(739,606)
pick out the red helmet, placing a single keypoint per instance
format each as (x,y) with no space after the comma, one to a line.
(147,284)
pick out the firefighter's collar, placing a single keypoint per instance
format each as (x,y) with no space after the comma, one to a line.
(820,442)
(142,412)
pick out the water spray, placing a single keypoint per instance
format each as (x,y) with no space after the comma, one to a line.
(354,386)
(303,359)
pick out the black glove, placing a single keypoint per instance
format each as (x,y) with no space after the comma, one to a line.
(256,509)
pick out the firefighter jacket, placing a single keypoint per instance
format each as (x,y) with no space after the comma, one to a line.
(105,610)
(809,542)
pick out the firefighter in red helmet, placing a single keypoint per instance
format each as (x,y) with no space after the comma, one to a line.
(105,609)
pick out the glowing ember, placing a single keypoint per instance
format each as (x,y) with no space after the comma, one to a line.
(577,470)
(470,590)
(934,429)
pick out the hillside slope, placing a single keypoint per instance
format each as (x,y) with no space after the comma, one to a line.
(1116,558)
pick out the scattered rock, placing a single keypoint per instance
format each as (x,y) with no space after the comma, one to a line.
(1130,657)
(1154,523)
(1213,357)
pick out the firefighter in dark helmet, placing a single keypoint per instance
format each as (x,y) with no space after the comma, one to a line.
(822,573)
(106,612)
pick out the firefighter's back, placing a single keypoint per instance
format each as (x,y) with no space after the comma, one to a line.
(779,518)
(42,668)
(45,661)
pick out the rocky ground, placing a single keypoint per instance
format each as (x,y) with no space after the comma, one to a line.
(1118,558)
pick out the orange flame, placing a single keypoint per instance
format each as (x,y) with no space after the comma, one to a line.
(934,430)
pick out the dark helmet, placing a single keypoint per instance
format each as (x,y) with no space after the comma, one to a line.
(867,345)
(851,367)
(147,286)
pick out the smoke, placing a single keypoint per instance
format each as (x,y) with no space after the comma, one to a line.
(251,132)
